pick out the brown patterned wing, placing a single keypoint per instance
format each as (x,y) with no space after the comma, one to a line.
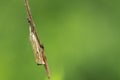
(37,49)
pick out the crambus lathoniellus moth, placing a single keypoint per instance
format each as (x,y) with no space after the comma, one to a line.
(37,49)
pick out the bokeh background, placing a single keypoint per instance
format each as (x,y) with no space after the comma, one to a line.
(81,39)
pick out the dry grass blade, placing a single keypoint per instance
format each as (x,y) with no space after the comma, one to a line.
(37,46)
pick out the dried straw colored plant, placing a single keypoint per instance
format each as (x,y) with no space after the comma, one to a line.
(36,44)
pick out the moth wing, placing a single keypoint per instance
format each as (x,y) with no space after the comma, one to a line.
(37,50)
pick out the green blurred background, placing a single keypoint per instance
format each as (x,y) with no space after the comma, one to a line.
(81,39)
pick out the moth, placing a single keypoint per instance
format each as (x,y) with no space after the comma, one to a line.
(38,48)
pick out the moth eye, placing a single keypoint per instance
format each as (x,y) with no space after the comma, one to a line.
(42,46)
